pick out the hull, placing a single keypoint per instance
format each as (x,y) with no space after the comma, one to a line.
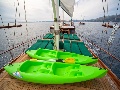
(45,54)
(108,26)
(53,72)
(81,23)
(10,26)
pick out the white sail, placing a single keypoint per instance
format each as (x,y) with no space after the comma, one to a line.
(68,6)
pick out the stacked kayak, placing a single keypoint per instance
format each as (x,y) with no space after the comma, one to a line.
(46,54)
(53,72)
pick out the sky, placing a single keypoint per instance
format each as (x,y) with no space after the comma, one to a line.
(41,10)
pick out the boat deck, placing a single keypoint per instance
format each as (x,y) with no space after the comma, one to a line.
(72,45)
(65,29)
(9,83)
(62,36)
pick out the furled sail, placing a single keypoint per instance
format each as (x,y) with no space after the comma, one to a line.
(68,6)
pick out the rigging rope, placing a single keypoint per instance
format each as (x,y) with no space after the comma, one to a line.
(103,50)
(18,45)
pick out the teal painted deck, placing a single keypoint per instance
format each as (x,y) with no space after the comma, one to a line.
(62,36)
(67,45)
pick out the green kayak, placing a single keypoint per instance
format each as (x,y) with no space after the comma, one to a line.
(53,72)
(46,54)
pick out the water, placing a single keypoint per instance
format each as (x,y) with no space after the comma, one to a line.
(93,31)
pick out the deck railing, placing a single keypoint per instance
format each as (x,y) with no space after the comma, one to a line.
(9,56)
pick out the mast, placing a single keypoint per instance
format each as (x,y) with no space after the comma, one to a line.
(63,17)
(68,8)
(71,22)
(55,4)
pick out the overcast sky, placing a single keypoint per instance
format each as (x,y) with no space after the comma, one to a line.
(39,10)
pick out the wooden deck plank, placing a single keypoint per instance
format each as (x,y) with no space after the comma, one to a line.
(9,83)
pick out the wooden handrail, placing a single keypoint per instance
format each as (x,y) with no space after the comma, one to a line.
(110,73)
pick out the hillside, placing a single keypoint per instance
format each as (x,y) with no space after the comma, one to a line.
(112,18)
